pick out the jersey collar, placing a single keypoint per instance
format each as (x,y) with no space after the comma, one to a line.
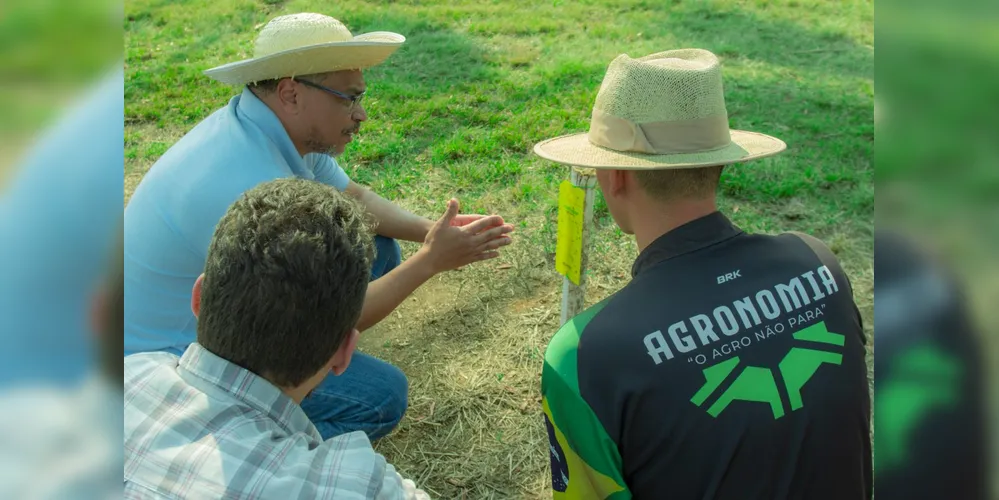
(692,236)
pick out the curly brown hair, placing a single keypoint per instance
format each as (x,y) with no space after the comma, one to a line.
(285,279)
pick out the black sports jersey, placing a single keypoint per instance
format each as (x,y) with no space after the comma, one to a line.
(731,367)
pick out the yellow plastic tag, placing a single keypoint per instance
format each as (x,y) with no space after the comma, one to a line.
(569,246)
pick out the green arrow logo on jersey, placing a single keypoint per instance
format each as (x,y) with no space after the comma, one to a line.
(758,384)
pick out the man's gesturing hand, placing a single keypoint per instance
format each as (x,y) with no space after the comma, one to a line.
(457,240)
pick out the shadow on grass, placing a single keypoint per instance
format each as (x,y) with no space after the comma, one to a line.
(473,354)
(737,33)
(825,122)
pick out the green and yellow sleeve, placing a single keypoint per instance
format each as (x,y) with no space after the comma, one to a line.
(586,463)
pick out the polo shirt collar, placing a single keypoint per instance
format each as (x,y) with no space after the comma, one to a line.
(248,387)
(250,106)
(692,236)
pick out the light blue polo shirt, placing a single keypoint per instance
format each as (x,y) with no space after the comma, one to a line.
(171,217)
(59,221)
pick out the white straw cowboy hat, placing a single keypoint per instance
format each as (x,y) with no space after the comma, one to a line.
(306,44)
(665,110)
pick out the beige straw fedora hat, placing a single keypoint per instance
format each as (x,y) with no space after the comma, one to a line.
(306,44)
(665,110)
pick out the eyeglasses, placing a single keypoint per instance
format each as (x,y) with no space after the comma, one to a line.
(355,100)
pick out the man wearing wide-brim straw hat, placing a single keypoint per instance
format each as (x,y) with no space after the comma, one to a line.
(732,364)
(300,105)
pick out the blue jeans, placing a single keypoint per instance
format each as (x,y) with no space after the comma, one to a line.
(371,395)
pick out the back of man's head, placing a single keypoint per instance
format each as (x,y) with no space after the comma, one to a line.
(285,279)
(670,185)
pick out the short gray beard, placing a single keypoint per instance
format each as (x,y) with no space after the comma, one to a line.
(316,146)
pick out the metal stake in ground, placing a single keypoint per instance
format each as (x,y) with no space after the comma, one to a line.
(575,217)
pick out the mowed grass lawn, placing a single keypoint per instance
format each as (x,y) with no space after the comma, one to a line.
(456,111)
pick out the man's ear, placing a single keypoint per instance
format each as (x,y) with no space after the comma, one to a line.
(341,359)
(288,94)
(620,182)
(196,296)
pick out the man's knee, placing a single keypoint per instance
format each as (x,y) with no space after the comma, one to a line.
(388,255)
(397,396)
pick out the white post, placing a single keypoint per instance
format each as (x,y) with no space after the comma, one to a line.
(573,296)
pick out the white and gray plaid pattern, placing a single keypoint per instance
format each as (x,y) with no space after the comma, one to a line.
(199,426)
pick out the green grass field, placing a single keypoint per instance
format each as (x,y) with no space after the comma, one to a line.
(456,111)
(48,55)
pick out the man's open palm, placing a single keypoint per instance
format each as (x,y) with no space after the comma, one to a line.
(457,240)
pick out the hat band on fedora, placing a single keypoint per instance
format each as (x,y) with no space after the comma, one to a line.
(681,136)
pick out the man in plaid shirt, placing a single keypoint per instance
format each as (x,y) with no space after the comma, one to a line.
(277,307)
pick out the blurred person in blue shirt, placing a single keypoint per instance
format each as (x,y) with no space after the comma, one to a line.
(60,396)
(58,218)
